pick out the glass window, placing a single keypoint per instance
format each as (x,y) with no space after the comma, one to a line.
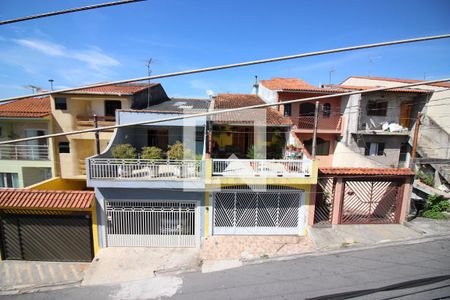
(375,108)
(374,149)
(64,147)
(322,146)
(327,110)
(287,110)
(60,103)
(8,180)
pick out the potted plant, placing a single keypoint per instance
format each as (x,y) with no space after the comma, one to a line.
(177,152)
(123,151)
(152,154)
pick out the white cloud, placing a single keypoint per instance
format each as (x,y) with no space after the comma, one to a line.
(94,57)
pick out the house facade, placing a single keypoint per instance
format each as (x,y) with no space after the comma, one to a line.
(24,164)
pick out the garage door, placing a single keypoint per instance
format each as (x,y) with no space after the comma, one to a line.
(259,213)
(152,224)
(48,238)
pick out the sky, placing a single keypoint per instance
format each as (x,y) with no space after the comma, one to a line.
(116,43)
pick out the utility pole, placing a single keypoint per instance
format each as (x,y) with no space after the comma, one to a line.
(97,135)
(149,72)
(316,121)
(415,139)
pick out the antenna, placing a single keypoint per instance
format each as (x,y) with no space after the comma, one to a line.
(329,74)
(149,72)
(51,84)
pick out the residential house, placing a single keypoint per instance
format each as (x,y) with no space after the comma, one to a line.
(155,201)
(330,120)
(23,164)
(75,111)
(434,136)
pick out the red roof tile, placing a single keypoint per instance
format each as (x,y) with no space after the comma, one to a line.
(227,101)
(366,171)
(295,84)
(397,90)
(24,198)
(26,108)
(115,89)
(440,84)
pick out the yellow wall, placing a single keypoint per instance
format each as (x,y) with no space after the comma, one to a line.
(58,183)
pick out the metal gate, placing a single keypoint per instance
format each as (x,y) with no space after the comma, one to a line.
(370,202)
(323,209)
(151,224)
(259,213)
(49,238)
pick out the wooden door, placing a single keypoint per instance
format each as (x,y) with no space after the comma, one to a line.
(405,114)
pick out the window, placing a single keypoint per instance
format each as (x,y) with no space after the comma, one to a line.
(8,180)
(322,146)
(64,147)
(287,110)
(375,108)
(307,109)
(374,149)
(327,110)
(404,151)
(60,103)
(110,108)
(1,131)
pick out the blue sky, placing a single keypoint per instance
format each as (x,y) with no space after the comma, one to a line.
(115,43)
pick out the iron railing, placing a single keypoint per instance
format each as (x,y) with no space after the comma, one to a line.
(142,169)
(24,152)
(261,168)
(331,123)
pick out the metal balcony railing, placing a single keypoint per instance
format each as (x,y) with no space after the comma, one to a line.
(24,152)
(248,168)
(142,169)
(331,123)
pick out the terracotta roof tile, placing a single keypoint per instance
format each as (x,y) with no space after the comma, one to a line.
(23,198)
(115,89)
(398,90)
(366,171)
(227,101)
(295,84)
(26,108)
(440,84)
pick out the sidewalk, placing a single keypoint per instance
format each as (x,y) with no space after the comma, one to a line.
(19,276)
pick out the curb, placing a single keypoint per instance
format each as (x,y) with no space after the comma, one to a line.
(38,288)
(319,252)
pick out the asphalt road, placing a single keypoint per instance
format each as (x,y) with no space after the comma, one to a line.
(416,271)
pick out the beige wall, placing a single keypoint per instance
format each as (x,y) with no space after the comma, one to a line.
(81,145)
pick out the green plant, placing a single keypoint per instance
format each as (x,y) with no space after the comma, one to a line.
(252,153)
(151,153)
(123,151)
(177,152)
(425,178)
(198,156)
(435,207)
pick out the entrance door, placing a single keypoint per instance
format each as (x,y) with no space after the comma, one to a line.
(405,114)
(151,224)
(259,213)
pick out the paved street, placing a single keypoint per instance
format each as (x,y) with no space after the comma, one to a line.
(416,271)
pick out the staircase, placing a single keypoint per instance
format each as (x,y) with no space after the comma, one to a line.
(434,145)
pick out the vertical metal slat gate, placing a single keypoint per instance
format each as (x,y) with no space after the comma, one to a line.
(259,213)
(151,224)
(369,202)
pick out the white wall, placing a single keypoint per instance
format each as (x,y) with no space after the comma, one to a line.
(266,94)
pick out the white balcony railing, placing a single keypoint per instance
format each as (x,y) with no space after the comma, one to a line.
(247,168)
(24,152)
(142,169)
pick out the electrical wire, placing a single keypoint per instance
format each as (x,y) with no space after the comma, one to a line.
(237,65)
(66,11)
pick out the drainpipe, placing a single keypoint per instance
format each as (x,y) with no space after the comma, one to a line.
(316,120)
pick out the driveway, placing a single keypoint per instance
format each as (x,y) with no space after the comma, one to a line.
(121,264)
(16,275)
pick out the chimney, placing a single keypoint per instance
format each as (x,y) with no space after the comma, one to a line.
(256,86)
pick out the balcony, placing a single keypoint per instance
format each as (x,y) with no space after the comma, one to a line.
(86,122)
(250,168)
(24,152)
(331,124)
(144,170)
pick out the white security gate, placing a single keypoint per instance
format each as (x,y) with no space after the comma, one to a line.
(259,213)
(151,224)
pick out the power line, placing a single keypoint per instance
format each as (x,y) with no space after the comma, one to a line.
(223,111)
(66,11)
(236,65)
